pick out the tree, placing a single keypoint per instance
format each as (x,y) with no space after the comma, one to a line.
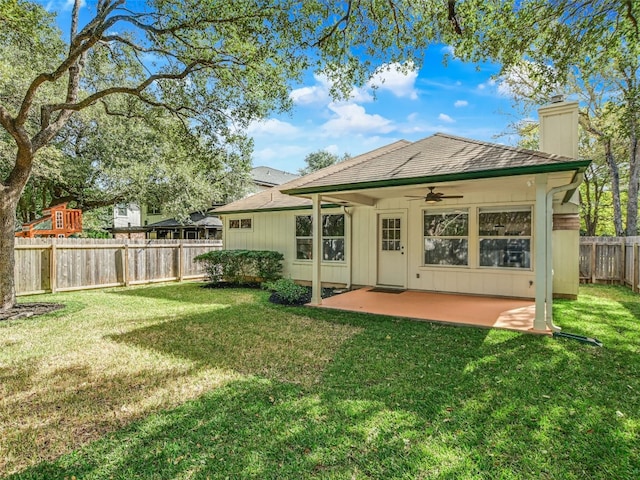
(596,42)
(214,65)
(321,159)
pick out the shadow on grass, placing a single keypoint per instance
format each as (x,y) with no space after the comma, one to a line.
(184,292)
(336,395)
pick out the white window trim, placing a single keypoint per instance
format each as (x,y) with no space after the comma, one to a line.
(307,261)
(506,209)
(467,237)
(239,227)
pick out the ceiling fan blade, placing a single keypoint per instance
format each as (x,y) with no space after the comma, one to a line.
(452,196)
(414,196)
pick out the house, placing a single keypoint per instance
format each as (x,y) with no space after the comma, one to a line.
(197,226)
(131,220)
(56,221)
(442,214)
(265,178)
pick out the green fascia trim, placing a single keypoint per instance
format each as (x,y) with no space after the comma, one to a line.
(277,209)
(578,165)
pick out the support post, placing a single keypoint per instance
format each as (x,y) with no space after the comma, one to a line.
(316,279)
(540,212)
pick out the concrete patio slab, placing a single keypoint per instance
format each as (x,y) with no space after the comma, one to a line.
(488,312)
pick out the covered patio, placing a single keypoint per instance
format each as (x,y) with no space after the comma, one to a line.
(454,309)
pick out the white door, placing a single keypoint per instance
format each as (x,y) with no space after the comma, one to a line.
(392,260)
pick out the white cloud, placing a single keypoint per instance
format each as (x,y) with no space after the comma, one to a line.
(394,78)
(271,126)
(334,149)
(398,79)
(489,83)
(62,5)
(524,80)
(318,94)
(350,118)
(314,94)
(449,50)
(460,103)
(283,157)
(445,118)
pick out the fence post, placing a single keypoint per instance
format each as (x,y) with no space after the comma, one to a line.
(52,268)
(623,261)
(125,265)
(180,261)
(636,269)
(593,262)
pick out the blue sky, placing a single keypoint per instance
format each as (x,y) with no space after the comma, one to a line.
(460,99)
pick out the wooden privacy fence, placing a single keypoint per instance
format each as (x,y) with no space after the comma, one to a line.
(610,260)
(56,264)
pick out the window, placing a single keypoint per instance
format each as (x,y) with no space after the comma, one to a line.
(122,210)
(446,239)
(304,238)
(240,223)
(59,220)
(505,237)
(391,234)
(154,209)
(332,238)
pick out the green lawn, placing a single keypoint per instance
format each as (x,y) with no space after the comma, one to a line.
(177,382)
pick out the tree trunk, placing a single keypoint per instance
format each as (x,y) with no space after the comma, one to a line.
(8,206)
(634,179)
(10,192)
(615,188)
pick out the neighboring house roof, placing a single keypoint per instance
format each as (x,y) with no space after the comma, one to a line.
(438,158)
(274,199)
(196,219)
(270,177)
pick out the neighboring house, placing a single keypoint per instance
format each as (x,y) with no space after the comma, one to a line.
(198,226)
(57,221)
(148,221)
(265,178)
(443,214)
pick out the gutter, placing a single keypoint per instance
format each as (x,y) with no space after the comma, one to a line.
(577,180)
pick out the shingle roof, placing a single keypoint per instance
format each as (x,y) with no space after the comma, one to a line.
(196,219)
(274,199)
(437,156)
(270,176)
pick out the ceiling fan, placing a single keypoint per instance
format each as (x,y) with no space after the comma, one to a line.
(433,197)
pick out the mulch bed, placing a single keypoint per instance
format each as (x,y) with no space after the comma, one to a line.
(26,310)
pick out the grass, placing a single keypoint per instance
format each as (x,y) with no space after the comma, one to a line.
(175,381)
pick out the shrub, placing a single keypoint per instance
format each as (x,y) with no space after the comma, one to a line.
(287,291)
(241,266)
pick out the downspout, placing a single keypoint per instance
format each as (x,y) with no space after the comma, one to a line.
(345,210)
(548,318)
